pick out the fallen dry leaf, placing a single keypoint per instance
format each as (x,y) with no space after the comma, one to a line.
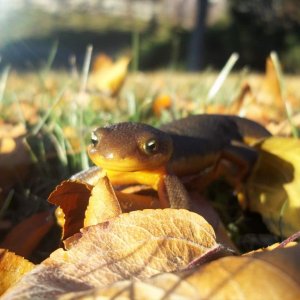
(270,90)
(269,275)
(135,245)
(274,185)
(160,103)
(285,128)
(103,203)
(14,157)
(108,78)
(262,100)
(25,236)
(12,268)
(272,247)
(72,197)
(101,61)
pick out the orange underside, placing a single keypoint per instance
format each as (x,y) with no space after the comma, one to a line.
(147,177)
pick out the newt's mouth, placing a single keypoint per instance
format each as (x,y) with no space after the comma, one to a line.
(127,164)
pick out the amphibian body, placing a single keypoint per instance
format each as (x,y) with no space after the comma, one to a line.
(194,146)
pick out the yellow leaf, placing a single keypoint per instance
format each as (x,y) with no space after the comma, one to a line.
(12,268)
(272,247)
(270,90)
(108,78)
(101,61)
(103,203)
(274,185)
(261,99)
(139,244)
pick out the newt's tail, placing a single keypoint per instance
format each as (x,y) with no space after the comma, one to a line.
(251,131)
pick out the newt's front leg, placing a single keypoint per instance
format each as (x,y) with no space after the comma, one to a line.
(171,192)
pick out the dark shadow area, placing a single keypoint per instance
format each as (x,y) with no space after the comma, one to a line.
(164,47)
(32,53)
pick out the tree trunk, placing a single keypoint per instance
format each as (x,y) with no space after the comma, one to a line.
(195,60)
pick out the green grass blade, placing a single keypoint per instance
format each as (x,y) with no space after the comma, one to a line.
(6,203)
(135,50)
(86,68)
(3,82)
(51,57)
(276,62)
(39,126)
(222,76)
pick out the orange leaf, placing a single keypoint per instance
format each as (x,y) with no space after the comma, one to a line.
(12,268)
(103,203)
(72,197)
(161,103)
(262,98)
(270,91)
(25,236)
(135,245)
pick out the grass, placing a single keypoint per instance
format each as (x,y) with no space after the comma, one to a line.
(60,100)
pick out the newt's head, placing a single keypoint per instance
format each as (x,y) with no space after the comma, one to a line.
(130,147)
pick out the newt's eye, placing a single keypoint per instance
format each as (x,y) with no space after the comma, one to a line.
(151,146)
(94,139)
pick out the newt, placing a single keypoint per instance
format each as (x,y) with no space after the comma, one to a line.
(199,147)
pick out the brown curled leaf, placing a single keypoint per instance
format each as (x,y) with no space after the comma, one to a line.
(72,197)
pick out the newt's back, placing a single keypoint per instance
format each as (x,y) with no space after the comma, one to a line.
(221,128)
(200,139)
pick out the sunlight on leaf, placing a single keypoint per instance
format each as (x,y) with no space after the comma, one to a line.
(12,268)
(108,77)
(270,275)
(135,245)
(103,203)
(274,185)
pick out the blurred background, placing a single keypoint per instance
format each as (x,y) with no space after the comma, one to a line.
(180,34)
